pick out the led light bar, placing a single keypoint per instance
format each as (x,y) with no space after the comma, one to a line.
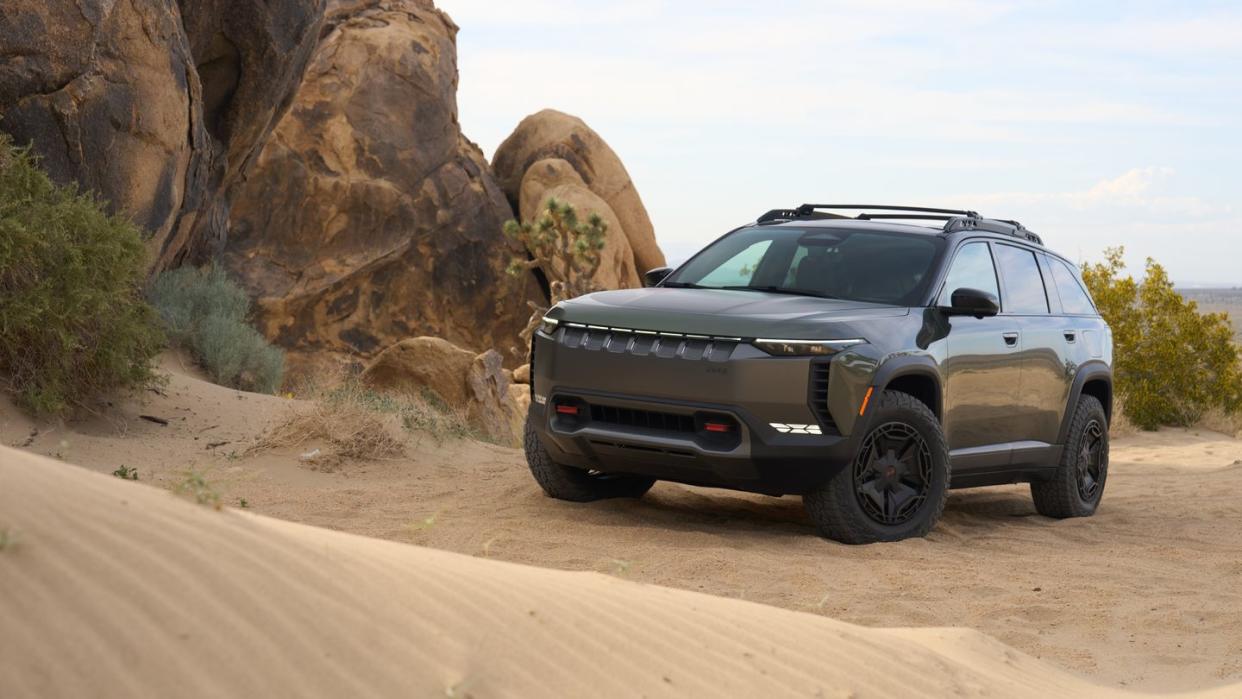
(805,348)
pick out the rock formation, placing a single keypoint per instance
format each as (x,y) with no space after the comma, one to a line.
(551,134)
(250,57)
(368,217)
(476,384)
(110,96)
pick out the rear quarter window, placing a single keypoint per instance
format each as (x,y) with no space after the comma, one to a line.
(1074,298)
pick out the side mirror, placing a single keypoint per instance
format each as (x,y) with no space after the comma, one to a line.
(657,275)
(973,302)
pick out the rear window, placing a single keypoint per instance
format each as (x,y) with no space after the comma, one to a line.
(874,266)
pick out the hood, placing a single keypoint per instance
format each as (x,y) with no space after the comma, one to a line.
(722,312)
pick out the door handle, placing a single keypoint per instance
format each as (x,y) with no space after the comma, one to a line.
(1011,339)
(1071,335)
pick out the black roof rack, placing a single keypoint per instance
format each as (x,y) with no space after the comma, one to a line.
(954,219)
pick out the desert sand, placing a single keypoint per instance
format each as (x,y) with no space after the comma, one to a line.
(119,585)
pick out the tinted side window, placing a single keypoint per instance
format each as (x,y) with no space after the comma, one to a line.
(1024,287)
(1073,298)
(972,269)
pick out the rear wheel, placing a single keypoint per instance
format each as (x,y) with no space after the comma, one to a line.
(898,483)
(575,484)
(1078,485)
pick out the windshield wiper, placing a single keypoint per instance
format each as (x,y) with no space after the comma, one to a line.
(780,290)
(682,285)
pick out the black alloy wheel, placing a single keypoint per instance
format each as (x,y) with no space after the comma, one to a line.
(1091,460)
(892,473)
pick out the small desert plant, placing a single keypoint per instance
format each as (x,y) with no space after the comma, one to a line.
(126,473)
(205,312)
(8,538)
(351,421)
(196,488)
(73,323)
(565,249)
(1171,363)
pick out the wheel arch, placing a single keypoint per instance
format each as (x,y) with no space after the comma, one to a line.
(1093,379)
(916,376)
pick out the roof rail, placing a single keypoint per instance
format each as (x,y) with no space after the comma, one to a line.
(808,208)
(954,219)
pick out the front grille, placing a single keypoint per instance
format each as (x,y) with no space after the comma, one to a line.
(642,419)
(819,397)
(641,343)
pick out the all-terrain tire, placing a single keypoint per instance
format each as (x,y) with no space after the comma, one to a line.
(837,508)
(1064,495)
(575,484)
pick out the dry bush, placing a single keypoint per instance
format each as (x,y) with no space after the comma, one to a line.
(1120,425)
(348,421)
(1219,420)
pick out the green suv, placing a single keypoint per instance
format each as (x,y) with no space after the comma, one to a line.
(867,361)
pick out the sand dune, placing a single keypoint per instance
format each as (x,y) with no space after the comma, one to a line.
(1144,595)
(118,589)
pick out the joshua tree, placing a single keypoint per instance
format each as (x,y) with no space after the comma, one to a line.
(565,249)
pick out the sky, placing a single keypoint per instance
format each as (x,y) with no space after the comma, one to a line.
(1095,124)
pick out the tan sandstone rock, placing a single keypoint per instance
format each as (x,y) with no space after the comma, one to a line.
(476,384)
(109,94)
(552,134)
(368,217)
(556,179)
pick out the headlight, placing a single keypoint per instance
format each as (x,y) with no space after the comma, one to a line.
(547,326)
(805,348)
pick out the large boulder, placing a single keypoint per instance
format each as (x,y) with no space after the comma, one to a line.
(556,179)
(550,134)
(107,94)
(368,218)
(475,384)
(250,56)
(110,96)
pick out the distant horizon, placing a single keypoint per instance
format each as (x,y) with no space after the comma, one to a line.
(1096,126)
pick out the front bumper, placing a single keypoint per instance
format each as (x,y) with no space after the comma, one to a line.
(643,407)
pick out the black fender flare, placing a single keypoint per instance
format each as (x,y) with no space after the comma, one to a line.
(1089,371)
(912,364)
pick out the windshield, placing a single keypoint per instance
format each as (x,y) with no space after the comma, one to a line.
(873,266)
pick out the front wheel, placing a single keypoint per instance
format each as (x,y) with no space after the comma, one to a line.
(1076,488)
(576,484)
(896,486)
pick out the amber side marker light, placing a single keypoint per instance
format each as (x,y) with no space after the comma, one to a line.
(866,399)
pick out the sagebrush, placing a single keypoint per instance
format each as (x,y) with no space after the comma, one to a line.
(205,312)
(1171,363)
(565,249)
(73,322)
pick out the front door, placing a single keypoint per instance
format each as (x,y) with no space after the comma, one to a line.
(981,366)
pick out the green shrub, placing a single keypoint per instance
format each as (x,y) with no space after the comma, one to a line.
(73,323)
(1171,364)
(205,312)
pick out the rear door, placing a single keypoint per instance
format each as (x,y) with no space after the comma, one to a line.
(1043,385)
